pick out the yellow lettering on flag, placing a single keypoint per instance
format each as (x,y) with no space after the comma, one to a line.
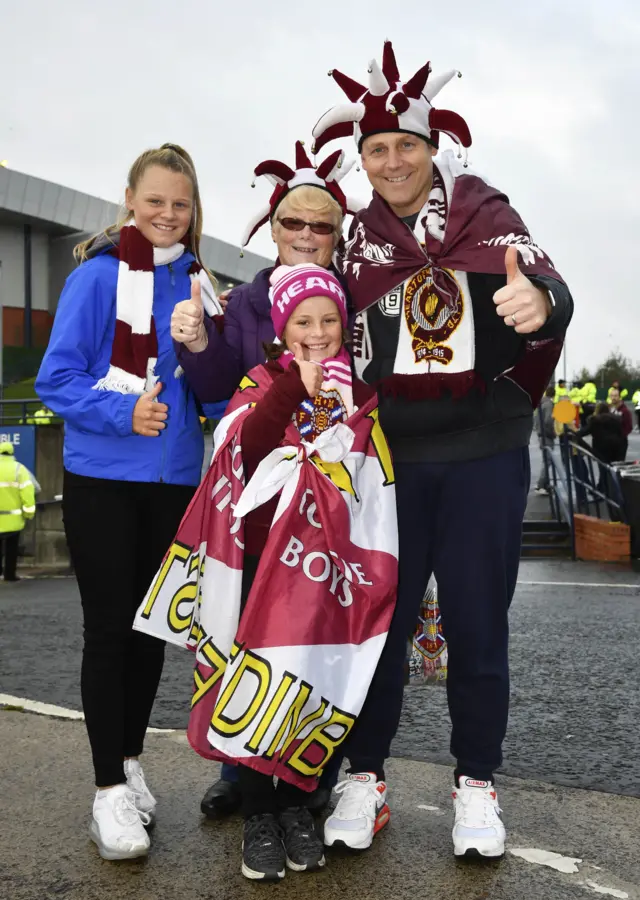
(381,447)
(177,551)
(249,664)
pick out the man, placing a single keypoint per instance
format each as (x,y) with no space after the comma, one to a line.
(616,386)
(545,428)
(636,402)
(561,390)
(460,325)
(618,407)
(17,504)
(589,400)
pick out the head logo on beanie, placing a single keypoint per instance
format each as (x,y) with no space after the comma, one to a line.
(291,285)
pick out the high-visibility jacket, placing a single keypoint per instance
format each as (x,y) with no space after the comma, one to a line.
(42,416)
(17,494)
(636,399)
(575,395)
(560,392)
(589,393)
(623,393)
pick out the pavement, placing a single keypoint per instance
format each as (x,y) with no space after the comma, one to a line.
(589,840)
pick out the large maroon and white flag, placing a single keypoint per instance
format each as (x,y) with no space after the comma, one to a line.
(278,687)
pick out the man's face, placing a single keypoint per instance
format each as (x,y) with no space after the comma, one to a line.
(400,168)
(615,397)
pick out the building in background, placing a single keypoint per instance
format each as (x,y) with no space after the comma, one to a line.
(40,223)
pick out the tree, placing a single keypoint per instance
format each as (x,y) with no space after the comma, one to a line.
(616,367)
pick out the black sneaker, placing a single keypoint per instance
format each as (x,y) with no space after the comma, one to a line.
(303,847)
(263,856)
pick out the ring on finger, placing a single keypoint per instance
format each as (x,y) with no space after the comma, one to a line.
(513,319)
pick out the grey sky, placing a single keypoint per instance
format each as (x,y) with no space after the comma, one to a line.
(551,92)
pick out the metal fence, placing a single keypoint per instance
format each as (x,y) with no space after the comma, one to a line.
(579,483)
(21,412)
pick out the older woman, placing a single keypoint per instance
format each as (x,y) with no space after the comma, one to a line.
(306,213)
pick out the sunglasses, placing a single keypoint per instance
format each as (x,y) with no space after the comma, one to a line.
(292,224)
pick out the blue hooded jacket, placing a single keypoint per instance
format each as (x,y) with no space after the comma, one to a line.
(99,440)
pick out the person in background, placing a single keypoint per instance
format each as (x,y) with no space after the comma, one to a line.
(306,213)
(17,505)
(589,400)
(636,402)
(545,428)
(133,450)
(561,390)
(616,386)
(608,441)
(619,408)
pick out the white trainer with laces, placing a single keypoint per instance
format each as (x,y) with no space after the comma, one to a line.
(360,814)
(145,801)
(478,829)
(117,826)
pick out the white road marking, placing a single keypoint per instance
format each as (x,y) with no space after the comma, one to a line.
(429,808)
(610,892)
(59,712)
(565,864)
(585,584)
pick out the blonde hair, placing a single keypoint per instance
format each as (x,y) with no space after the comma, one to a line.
(307,197)
(176,159)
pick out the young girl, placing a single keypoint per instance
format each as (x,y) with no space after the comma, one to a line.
(133,453)
(283,573)
(310,326)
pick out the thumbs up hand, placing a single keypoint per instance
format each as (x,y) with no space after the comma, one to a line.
(148,415)
(311,373)
(522,305)
(187,321)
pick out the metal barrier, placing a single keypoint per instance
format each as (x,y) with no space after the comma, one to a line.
(16,412)
(596,485)
(579,483)
(560,490)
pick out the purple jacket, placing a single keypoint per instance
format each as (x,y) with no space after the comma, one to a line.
(215,373)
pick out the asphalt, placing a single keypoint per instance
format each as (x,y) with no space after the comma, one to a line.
(574,660)
(45,853)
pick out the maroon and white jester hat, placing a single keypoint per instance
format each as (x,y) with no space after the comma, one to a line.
(389,104)
(327,176)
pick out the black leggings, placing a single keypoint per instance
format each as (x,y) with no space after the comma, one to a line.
(118,533)
(259,795)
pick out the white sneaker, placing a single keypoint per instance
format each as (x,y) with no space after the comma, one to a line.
(118,827)
(145,801)
(478,828)
(361,812)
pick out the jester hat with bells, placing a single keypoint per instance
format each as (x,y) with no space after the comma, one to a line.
(326,176)
(390,104)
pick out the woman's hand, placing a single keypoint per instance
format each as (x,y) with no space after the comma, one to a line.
(310,372)
(149,415)
(187,321)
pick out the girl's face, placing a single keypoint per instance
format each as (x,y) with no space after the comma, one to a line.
(162,204)
(316,325)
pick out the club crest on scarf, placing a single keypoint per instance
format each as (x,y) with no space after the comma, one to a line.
(431,317)
(319,413)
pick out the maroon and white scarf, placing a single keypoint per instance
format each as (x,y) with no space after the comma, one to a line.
(135,344)
(465,226)
(334,401)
